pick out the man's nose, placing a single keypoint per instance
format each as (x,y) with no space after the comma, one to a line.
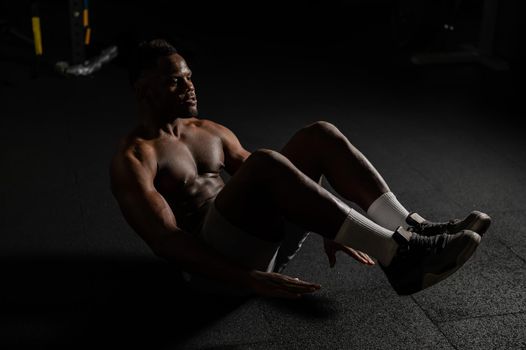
(188,84)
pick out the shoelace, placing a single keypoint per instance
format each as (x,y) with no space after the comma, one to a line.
(433,228)
(428,244)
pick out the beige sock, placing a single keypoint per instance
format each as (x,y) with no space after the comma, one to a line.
(388,212)
(358,232)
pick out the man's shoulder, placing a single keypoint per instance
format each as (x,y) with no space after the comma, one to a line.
(132,163)
(124,150)
(213,126)
(131,150)
(206,123)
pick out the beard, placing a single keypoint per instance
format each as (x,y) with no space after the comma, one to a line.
(190,111)
(184,110)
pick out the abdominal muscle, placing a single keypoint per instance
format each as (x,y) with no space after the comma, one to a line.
(191,206)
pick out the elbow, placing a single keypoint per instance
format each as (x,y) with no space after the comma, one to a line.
(167,246)
(158,252)
(159,249)
(165,254)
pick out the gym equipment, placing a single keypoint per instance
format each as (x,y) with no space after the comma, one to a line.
(81,38)
(88,67)
(482,54)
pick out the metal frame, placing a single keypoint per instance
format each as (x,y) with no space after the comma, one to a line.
(78,54)
(483,54)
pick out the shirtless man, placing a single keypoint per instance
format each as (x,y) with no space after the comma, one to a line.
(166,179)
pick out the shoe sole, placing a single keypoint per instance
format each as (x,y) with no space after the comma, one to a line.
(430,279)
(478,222)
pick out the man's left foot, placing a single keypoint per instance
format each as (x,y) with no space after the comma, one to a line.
(421,261)
(476,221)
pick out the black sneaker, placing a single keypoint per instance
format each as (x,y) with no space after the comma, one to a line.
(422,261)
(475,221)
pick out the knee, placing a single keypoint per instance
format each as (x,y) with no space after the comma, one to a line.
(266,164)
(322,130)
(265,156)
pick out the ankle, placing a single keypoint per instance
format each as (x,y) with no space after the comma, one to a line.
(400,240)
(402,236)
(415,219)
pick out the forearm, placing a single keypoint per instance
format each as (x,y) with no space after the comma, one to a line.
(194,257)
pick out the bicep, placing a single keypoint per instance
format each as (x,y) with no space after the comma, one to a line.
(235,153)
(234,158)
(142,206)
(148,214)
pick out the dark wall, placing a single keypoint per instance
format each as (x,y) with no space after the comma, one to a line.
(374,31)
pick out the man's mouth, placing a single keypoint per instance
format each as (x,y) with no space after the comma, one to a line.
(191,101)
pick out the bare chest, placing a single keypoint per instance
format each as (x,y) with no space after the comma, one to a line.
(186,161)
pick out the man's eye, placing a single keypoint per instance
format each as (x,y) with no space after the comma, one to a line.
(174,80)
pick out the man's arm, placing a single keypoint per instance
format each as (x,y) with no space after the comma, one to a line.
(235,154)
(148,213)
(151,217)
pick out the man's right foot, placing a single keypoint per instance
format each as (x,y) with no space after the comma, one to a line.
(422,261)
(476,221)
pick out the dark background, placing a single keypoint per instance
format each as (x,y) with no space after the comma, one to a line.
(448,139)
(337,40)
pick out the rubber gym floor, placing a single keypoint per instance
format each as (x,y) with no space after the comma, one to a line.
(446,139)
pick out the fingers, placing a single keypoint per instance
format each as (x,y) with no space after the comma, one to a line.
(273,284)
(332,247)
(358,255)
(300,286)
(294,285)
(354,254)
(279,293)
(288,292)
(370,261)
(364,257)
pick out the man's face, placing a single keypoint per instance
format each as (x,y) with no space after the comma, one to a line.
(169,87)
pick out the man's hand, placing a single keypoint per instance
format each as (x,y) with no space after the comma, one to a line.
(332,247)
(272,284)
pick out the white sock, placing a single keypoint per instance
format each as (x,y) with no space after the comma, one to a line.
(387,211)
(358,232)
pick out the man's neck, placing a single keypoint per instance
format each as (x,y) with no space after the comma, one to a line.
(154,124)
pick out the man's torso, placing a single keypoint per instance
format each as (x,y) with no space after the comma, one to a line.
(189,164)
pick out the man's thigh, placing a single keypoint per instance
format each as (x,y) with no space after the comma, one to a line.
(244,200)
(246,203)
(304,150)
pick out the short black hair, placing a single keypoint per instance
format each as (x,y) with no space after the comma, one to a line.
(146,56)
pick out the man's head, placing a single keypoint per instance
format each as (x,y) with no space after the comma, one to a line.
(161,79)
